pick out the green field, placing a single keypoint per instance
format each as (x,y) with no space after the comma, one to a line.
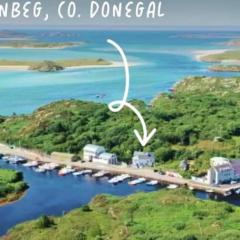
(11,185)
(187,121)
(162,215)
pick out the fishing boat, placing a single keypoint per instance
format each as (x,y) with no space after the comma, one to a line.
(66,170)
(16,159)
(40,169)
(226,194)
(31,164)
(50,166)
(152,183)
(172,186)
(6,157)
(87,171)
(78,173)
(100,174)
(137,181)
(237,191)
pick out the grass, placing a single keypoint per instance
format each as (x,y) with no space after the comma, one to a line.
(11,185)
(162,215)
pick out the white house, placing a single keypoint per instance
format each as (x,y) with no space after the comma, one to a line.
(106,158)
(143,159)
(221,174)
(91,151)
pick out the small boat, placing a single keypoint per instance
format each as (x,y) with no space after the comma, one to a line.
(100,174)
(16,160)
(6,157)
(125,176)
(152,183)
(172,186)
(87,171)
(226,194)
(209,191)
(50,166)
(40,169)
(237,191)
(78,173)
(66,170)
(137,181)
(31,164)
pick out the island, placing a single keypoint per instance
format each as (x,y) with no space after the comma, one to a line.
(54,66)
(12,186)
(39,44)
(161,215)
(229,60)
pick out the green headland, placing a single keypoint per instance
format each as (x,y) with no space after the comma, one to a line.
(12,186)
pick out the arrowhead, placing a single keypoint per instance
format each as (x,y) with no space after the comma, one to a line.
(144,140)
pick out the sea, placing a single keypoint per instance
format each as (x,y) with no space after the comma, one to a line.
(160,59)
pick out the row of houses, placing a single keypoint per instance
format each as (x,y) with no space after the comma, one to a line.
(223,170)
(98,154)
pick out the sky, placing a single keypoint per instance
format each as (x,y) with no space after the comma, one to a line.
(178,13)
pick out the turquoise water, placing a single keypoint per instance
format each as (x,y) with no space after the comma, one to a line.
(164,58)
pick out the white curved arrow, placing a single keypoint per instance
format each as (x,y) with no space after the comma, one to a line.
(117,106)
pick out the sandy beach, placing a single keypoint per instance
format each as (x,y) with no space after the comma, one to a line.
(203,53)
(112,65)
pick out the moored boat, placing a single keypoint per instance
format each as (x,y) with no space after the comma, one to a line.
(137,181)
(152,183)
(100,174)
(66,170)
(31,164)
(172,186)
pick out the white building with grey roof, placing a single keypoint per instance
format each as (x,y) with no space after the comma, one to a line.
(143,159)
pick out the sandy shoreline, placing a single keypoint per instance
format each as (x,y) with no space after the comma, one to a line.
(203,53)
(112,65)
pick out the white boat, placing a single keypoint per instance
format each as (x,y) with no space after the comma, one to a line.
(209,191)
(31,164)
(172,186)
(226,194)
(6,157)
(87,171)
(66,170)
(152,183)
(14,159)
(100,174)
(137,181)
(40,169)
(50,166)
(125,176)
(237,191)
(78,173)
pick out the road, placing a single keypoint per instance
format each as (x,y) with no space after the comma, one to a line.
(146,173)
